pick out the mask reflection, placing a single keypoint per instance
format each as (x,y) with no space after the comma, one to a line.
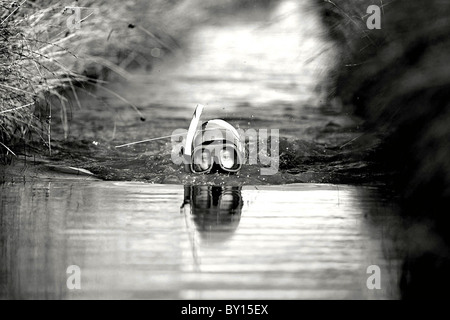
(216,211)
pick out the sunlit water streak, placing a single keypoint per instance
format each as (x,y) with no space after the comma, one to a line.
(279,60)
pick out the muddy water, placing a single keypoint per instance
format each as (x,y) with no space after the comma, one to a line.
(232,239)
(137,240)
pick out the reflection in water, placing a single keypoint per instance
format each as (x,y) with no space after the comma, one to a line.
(130,241)
(216,210)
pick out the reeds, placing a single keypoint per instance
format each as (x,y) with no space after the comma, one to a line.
(43,54)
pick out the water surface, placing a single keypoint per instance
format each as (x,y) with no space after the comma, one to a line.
(137,240)
(212,236)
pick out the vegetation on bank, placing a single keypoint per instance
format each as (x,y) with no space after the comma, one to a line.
(47,47)
(50,47)
(398,79)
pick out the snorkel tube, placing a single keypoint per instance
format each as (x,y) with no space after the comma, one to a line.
(187,153)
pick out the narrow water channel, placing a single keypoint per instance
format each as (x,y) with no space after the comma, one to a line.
(172,237)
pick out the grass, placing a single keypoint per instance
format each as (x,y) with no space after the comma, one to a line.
(42,57)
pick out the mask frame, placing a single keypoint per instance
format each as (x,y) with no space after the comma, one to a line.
(211,137)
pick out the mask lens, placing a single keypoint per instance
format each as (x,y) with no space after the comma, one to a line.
(202,160)
(227,158)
